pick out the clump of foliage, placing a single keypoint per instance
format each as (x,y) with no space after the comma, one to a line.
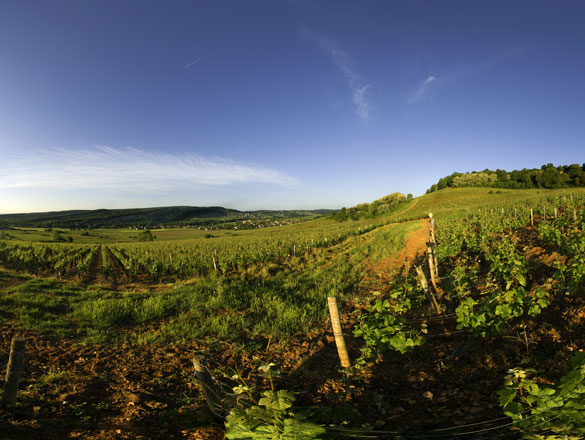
(145,236)
(56,236)
(557,409)
(384,205)
(271,417)
(507,298)
(384,326)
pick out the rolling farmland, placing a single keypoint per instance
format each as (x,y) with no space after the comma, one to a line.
(112,324)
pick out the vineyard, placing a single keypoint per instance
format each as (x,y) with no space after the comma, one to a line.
(177,259)
(489,345)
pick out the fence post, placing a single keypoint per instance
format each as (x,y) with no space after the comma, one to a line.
(555,213)
(336,323)
(425,285)
(211,394)
(531,217)
(213,259)
(434,245)
(432,268)
(13,371)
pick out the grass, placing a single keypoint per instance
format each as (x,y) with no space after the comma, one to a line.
(383,242)
(461,200)
(277,300)
(289,301)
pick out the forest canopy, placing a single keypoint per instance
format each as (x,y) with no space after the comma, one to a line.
(547,176)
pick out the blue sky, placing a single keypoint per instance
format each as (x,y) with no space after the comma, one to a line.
(279,104)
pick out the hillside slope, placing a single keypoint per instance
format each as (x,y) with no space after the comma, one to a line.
(460,200)
(120,218)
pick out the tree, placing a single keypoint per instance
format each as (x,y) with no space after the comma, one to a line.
(56,236)
(551,177)
(341,215)
(146,236)
(575,174)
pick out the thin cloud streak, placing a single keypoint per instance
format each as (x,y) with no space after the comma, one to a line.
(363,109)
(342,61)
(130,170)
(420,93)
(196,60)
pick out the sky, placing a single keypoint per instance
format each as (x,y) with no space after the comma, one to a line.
(279,104)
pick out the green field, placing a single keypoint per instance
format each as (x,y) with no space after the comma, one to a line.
(465,200)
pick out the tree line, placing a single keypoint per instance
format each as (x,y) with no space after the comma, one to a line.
(547,176)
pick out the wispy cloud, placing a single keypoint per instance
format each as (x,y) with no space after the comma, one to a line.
(343,61)
(421,91)
(511,54)
(130,170)
(201,58)
(362,109)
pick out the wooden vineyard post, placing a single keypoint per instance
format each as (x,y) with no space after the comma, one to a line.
(555,213)
(531,217)
(432,227)
(425,285)
(433,245)
(575,214)
(336,323)
(544,213)
(210,392)
(213,259)
(432,268)
(13,371)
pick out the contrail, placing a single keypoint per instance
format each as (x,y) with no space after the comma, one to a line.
(196,60)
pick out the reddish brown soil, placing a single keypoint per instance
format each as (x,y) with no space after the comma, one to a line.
(149,391)
(94,272)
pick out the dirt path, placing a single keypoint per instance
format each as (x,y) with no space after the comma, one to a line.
(118,275)
(381,272)
(94,267)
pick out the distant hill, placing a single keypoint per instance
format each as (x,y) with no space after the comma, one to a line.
(147,217)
